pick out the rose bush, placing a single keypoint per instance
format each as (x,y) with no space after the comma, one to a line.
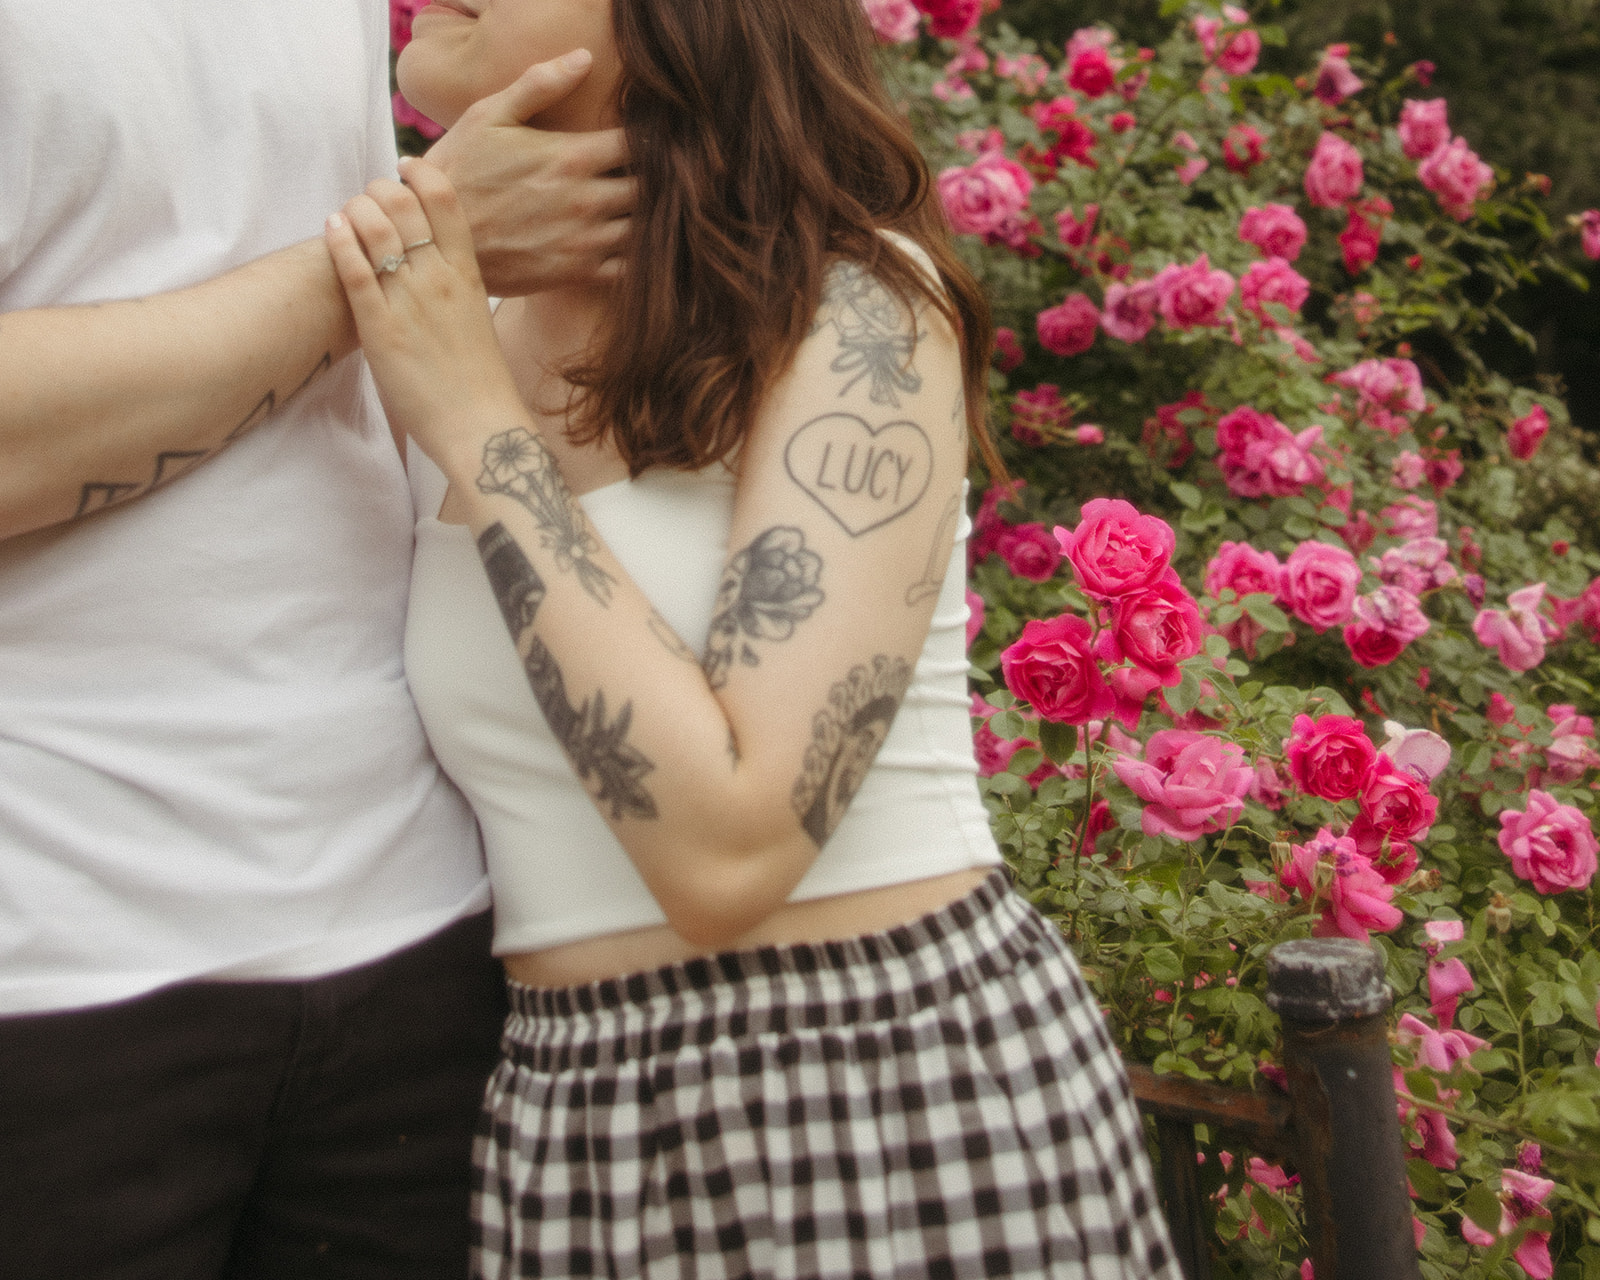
(1320,653)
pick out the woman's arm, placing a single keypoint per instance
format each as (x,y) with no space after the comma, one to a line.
(721,783)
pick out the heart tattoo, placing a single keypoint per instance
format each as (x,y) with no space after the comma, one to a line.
(862,476)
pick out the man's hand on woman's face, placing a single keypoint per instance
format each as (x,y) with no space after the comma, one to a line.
(546,209)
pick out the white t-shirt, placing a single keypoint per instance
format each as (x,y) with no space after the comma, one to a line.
(210,765)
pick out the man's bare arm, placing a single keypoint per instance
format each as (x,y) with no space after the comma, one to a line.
(99,404)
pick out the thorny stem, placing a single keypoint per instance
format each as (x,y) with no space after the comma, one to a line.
(1473,1118)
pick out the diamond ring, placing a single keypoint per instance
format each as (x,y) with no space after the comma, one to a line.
(426,240)
(391,263)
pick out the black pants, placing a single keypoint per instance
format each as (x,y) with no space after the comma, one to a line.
(255,1131)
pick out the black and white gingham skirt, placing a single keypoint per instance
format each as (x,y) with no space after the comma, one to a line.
(940,1100)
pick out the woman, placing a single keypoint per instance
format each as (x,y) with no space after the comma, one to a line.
(775,1012)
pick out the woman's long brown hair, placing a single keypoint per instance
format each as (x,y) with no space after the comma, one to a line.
(765,149)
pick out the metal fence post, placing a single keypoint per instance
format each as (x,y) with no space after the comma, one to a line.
(1331,998)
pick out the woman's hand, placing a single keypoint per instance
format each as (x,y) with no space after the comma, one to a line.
(404,254)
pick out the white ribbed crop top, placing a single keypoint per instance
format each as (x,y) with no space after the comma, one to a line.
(558,873)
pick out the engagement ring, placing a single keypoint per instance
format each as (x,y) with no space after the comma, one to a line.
(391,263)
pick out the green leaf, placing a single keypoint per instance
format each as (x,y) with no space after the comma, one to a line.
(1427,1181)
(1162,964)
(1483,1207)
(1186,696)
(1058,740)
(1260,607)
(1006,725)
(1187,494)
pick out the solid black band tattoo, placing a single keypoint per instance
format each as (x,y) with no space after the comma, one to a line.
(845,738)
(766,589)
(599,752)
(172,463)
(862,476)
(874,341)
(932,581)
(517,464)
(516,584)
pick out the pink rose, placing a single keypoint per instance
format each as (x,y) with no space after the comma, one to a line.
(1438,1050)
(1411,517)
(1052,669)
(1115,550)
(1351,897)
(1008,353)
(1407,471)
(1335,173)
(981,197)
(1396,810)
(893,21)
(1551,845)
(1240,568)
(1068,328)
(951,19)
(1361,238)
(1420,752)
(407,116)
(1239,53)
(1157,628)
(1130,310)
(1029,552)
(1189,170)
(1331,757)
(975,612)
(1073,232)
(1385,389)
(1272,281)
(1335,80)
(1384,623)
(1275,229)
(1522,1196)
(1091,72)
(1589,222)
(1260,457)
(1519,634)
(1424,126)
(1086,433)
(1319,584)
(1527,433)
(1455,174)
(1039,414)
(1190,783)
(401,14)
(1448,981)
(1571,752)
(1243,148)
(1193,296)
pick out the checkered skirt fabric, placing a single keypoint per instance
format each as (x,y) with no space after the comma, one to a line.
(940,1100)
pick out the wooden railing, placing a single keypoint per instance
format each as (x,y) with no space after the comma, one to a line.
(1337,1127)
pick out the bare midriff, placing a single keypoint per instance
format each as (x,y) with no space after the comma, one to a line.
(847,915)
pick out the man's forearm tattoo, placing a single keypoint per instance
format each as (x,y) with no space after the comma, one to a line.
(599,751)
(766,590)
(863,476)
(517,464)
(845,737)
(932,581)
(876,335)
(517,586)
(172,463)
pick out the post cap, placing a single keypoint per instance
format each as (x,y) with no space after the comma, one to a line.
(1326,980)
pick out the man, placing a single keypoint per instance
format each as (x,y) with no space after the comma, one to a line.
(246,1005)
